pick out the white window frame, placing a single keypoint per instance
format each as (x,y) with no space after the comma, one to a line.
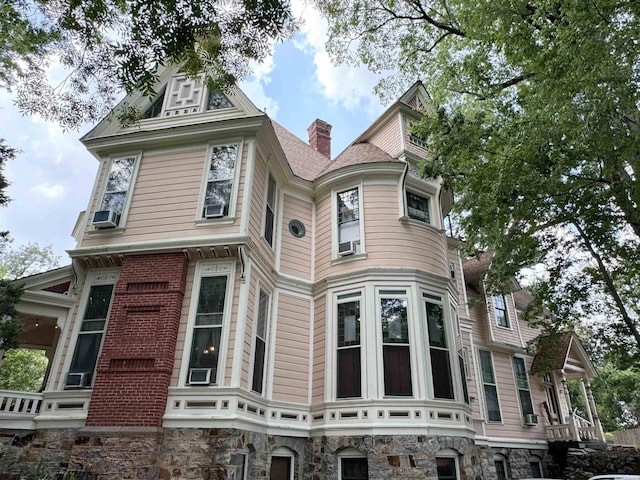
(335,229)
(515,382)
(209,269)
(410,191)
(506,310)
(260,288)
(286,453)
(108,166)
(350,452)
(340,298)
(422,188)
(450,453)
(399,292)
(495,383)
(97,277)
(436,299)
(274,209)
(235,181)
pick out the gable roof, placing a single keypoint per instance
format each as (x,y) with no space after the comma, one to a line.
(554,352)
(305,162)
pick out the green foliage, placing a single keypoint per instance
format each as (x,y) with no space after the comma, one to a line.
(107,45)
(615,391)
(26,260)
(10,326)
(23,370)
(535,125)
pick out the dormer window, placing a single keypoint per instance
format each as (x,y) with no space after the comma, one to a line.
(500,309)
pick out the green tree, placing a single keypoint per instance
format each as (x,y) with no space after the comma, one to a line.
(105,46)
(23,370)
(26,260)
(535,125)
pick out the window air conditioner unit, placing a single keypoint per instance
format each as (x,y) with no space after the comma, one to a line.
(346,248)
(78,380)
(199,376)
(215,210)
(531,419)
(106,219)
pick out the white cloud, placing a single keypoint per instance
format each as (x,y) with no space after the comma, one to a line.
(254,89)
(350,87)
(49,191)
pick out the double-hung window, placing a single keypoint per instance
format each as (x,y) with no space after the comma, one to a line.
(114,200)
(348,355)
(261,342)
(92,328)
(348,222)
(220,180)
(439,352)
(489,386)
(395,345)
(269,214)
(418,207)
(207,331)
(500,309)
(522,385)
(501,467)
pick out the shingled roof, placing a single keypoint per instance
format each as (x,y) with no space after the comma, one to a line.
(305,162)
(359,153)
(552,353)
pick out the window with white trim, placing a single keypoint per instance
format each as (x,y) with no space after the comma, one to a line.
(114,199)
(207,330)
(89,340)
(522,386)
(490,388)
(353,465)
(220,177)
(348,220)
(396,355)
(282,464)
(270,210)
(418,207)
(262,321)
(500,310)
(447,468)
(348,354)
(442,380)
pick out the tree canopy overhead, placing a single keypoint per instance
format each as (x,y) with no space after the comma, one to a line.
(107,45)
(535,124)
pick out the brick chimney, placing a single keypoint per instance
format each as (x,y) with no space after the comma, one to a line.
(320,137)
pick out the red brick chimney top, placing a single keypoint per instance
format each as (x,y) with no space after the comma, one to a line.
(320,137)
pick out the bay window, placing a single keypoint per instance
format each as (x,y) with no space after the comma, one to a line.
(439,352)
(418,207)
(269,215)
(395,345)
(260,342)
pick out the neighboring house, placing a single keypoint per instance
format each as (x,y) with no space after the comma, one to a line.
(241,306)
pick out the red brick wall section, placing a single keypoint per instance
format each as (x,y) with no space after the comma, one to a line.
(134,368)
(320,137)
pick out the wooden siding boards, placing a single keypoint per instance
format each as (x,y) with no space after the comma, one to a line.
(165,199)
(388,138)
(236,317)
(410,146)
(247,344)
(319,350)
(256,215)
(295,253)
(291,362)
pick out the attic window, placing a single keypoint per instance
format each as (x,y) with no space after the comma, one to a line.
(155,108)
(218,101)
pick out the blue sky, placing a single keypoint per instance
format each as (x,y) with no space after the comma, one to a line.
(52,177)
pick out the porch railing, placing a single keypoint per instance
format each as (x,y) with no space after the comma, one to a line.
(563,432)
(18,409)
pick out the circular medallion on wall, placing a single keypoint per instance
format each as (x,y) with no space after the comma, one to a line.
(297,229)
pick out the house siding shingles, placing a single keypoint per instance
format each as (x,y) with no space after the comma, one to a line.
(319,352)
(291,361)
(388,138)
(295,253)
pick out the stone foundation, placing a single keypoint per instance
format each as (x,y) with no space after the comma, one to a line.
(222,454)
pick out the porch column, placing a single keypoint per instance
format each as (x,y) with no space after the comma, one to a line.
(572,423)
(593,411)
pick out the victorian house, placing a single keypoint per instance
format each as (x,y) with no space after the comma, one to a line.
(241,305)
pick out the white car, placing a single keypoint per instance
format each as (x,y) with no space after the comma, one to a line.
(615,476)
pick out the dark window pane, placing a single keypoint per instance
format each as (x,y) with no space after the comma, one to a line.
(441,368)
(268,225)
(349,382)
(536,470)
(418,207)
(155,108)
(397,370)
(348,324)
(280,468)
(525,402)
(212,293)
(217,101)
(258,366)
(205,349)
(487,366)
(435,322)
(98,302)
(501,471)
(446,468)
(463,376)
(86,353)
(493,407)
(354,469)
(263,305)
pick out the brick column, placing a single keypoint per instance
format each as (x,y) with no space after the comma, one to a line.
(135,366)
